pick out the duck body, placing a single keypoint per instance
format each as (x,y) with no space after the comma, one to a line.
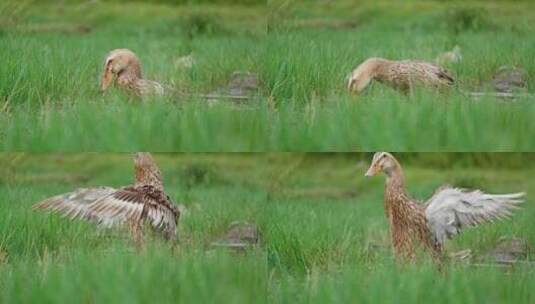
(139,86)
(407,222)
(156,208)
(404,75)
(123,67)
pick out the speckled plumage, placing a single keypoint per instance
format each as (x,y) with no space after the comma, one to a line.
(401,75)
(145,201)
(123,66)
(406,219)
(428,225)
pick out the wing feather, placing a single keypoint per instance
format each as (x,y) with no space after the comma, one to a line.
(75,204)
(450,210)
(125,204)
(105,206)
(111,207)
(162,216)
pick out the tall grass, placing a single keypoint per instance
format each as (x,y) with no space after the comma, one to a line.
(338,125)
(124,277)
(388,283)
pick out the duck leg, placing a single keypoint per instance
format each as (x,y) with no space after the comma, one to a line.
(136,229)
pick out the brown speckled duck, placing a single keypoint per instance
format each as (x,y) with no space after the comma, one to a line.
(124,67)
(443,216)
(144,201)
(401,75)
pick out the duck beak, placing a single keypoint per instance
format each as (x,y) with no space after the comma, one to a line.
(372,171)
(107,78)
(350,85)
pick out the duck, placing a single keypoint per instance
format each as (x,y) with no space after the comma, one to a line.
(449,210)
(123,67)
(145,201)
(403,75)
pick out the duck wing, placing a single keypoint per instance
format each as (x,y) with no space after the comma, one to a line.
(110,207)
(428,71)
(74,205)
(445,75)
(450,210)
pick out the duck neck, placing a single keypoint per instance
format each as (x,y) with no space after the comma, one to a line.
(130,75)
(395,193)
(395,179)
(380,69)
(126,78)
(148,176)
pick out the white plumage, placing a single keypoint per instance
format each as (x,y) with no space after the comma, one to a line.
(452,209)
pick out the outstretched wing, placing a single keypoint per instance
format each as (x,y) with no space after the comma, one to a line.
(451,209)
(136,203)
(75,204)
(109,207)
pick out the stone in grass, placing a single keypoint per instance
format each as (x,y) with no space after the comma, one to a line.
(185,62)
(240,88)
(243,83)
(450,57)
(239,237)
(508,251)
(508,79)
(462,256)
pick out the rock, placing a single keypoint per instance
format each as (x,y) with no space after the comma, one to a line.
(239,89)
(508,251)
(182,209)
(243,83)
(508,79)
(461,256)
(185,62)
(239,237)
(453,56)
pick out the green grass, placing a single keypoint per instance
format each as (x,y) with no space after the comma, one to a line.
(338,126)
(49,76)
(324,234)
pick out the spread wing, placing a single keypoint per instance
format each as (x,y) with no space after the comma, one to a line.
(110,207)
(134,203)
(451,209)
(75,204)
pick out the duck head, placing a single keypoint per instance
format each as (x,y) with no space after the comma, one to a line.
(146,170)
(382,162)
(122,65)
(361,77)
